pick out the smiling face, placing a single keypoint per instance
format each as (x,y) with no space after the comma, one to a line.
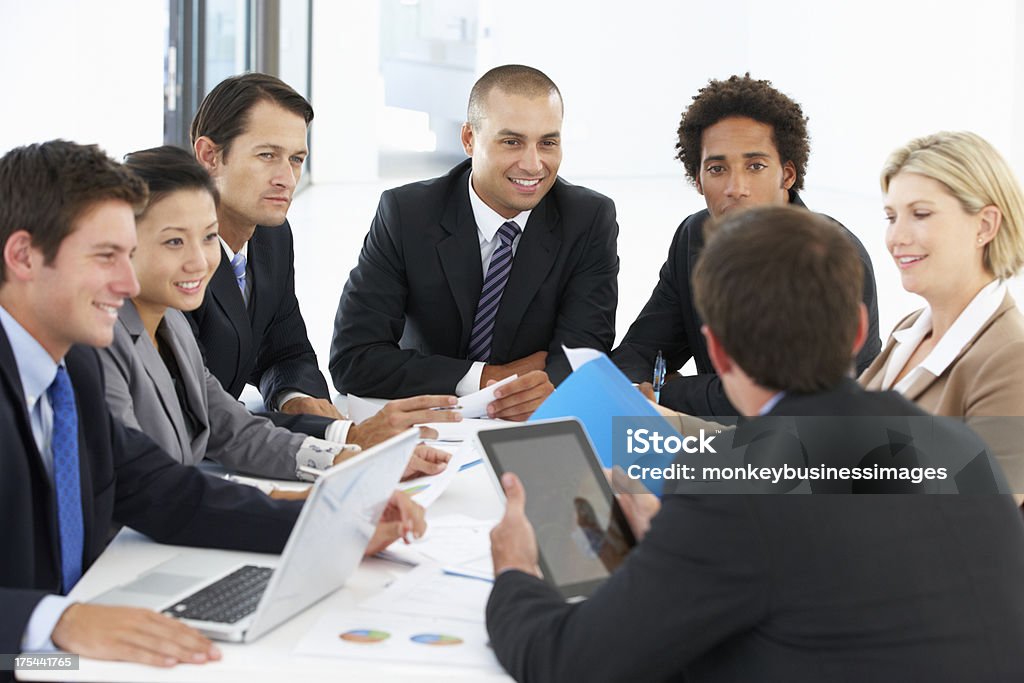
(516,150)
(178,251)
(75,299)
(740,167)
(934,242)
(258,175)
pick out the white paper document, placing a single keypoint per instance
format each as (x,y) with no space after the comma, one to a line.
(471,406)
(579,357)
(365,634)
(360,408)
(425,490)
(430,592)
(460,543)
(475,404)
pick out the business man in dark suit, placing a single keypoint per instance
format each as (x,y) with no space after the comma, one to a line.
(250,135)
(486,271)
(67,230)
(780,587)
(743,143)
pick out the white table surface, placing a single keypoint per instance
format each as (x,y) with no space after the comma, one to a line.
(271,657)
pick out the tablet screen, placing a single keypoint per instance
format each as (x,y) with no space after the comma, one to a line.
(581,533)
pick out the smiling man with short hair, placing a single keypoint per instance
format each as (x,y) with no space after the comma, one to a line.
(487,271)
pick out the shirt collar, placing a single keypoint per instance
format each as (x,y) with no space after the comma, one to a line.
(770,404)
(487,219)
(244,251)
(35,366)
(963,329)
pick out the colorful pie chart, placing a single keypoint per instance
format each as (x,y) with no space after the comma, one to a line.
(436,639)
(364,635)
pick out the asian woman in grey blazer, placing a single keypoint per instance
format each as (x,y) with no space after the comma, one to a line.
(156,380)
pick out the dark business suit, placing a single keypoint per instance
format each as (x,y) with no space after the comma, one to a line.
(125,478)
(790,588)
(265,343)
(670,323)
(406,313)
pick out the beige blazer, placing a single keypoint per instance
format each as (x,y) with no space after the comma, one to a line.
(984,384)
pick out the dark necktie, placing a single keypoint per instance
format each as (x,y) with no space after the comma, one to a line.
(238,266)
(490,295)
(66,479)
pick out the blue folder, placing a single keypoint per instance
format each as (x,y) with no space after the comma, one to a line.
(596,394)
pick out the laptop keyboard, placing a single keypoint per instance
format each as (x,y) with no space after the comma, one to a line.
(227,600)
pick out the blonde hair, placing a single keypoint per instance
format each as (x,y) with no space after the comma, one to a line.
(977,176)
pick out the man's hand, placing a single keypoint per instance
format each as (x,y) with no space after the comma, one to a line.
(307,405)
(496,373)
(401,517)
(284,494)
(130,634)
(647,389)
(638,504)
(513,544)
(397,416)
(425,461)
(519,398)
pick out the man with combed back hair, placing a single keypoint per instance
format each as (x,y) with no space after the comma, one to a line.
(780,587)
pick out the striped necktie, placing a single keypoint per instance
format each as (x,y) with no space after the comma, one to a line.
(490,295)
(66,479)
(238,266)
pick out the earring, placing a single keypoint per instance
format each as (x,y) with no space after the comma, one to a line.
(980,240)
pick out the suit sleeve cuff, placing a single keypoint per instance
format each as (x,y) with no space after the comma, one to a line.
(337,431)
(42,622)
(471,381)
(285,396)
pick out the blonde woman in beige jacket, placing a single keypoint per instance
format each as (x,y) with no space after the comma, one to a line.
(956,216)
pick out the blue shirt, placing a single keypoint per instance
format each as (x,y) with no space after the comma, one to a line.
(37,371)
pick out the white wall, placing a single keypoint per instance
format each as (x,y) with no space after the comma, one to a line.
(91,72)
(346,92)
(870,74)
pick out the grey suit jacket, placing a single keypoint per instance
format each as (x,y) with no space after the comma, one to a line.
(140,392)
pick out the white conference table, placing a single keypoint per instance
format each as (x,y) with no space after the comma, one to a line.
(271,657)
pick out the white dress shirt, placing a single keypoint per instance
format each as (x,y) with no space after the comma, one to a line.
(487,223)
(963,329)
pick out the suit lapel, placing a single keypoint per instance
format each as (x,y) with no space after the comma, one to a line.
(926,379)
(191,376)
(535,255)
(155,369)
(259,267)
(459,253)
(9,376)
(225,293)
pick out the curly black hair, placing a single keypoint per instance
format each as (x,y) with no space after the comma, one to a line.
(744,96)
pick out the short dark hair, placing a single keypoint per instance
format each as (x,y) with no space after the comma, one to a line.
(780,287)
(513,79)
(744,96)
(223,114)
(168,169)
(45,187)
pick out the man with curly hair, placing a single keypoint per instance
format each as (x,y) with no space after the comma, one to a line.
(743,144)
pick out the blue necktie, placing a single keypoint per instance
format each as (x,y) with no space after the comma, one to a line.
(490,295)
(238,265)
(66,479)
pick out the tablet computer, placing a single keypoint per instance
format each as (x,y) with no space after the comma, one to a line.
(582,534)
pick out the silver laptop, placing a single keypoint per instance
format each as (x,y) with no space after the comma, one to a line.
(227,599)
